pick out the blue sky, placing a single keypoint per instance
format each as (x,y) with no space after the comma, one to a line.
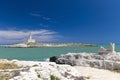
(85,21)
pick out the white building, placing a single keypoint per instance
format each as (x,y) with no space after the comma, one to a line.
(26,44)
(111,50)
(30,39)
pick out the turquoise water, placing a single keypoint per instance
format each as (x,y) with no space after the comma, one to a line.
(44,53)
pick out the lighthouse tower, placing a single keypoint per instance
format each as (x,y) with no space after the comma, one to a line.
(30,40)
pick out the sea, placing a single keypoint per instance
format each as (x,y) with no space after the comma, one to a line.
(44,53)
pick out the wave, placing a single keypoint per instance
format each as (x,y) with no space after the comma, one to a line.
(46,59)
(70,53)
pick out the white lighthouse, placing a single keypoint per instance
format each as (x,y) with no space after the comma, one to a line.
(30,39)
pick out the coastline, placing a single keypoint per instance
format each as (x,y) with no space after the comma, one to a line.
(37,70)
(72,66)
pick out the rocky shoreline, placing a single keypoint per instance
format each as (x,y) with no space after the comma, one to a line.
(106,61)
(37,70)
(72,66)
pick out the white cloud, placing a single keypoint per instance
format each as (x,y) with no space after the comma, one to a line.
(46,18)
(43,25)
(35,14)
(41,16)
(13,36)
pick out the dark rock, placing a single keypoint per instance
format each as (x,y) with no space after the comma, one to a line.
(65,61)
(53,59)
(80,78)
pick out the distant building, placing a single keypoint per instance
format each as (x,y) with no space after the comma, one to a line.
(111,50)
(30,39)
(29,42)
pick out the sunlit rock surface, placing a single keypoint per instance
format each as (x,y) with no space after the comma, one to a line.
(36,70)
(107,61)
(44,70)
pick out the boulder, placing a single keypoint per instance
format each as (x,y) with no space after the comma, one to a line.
(53,59)
(108,61)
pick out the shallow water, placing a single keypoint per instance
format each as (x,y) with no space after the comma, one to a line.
(45,52)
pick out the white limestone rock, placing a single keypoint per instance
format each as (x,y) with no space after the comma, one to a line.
(43,71)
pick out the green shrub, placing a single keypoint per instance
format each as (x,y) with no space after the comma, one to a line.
(38,75)
(57,78)
(52,77)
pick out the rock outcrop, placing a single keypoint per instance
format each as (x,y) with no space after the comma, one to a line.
(107,61)
(46,71)
(35,70)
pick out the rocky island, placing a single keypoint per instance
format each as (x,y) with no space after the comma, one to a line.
(32,43)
